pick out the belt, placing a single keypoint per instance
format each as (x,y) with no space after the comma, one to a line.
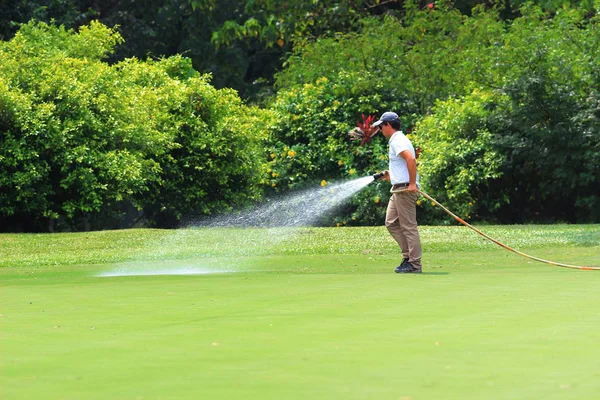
(400,186)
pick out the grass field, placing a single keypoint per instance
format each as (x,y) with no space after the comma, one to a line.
(299,314)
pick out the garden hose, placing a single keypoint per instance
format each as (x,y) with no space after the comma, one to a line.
(434,201)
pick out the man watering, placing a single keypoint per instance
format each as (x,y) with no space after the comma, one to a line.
(401,214)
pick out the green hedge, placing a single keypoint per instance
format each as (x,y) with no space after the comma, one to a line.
(81,141)
(310,144)
(526,147)
(506,112)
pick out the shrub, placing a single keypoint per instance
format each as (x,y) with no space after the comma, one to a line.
(81,140)
(508,111)
(310,142)
(459,162)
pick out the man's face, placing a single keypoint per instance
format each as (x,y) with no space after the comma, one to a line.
(386,130)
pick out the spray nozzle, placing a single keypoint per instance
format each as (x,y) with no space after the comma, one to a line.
(379,175)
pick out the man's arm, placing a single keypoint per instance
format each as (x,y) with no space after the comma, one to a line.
(411,164)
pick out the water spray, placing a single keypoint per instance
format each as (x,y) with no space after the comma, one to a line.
(306,207)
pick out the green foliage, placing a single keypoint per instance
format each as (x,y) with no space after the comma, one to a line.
(537,137)
(507,108)
(549,134)
(555,5)
(458,159)
(63,12)
(242,43)
(508,111)
(259,33)
(387,66)
(216,164)
(52,140)
(309,143)
(80,139)
(409,62)
(157,29)
(276,22)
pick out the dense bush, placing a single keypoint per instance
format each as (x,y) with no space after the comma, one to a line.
(533,146)
(390,64)
(406,63)
(514,136)
(327,86)
(81,140)
(310,143)
(506,111)
(461,162)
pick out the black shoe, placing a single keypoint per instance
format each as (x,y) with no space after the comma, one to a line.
(404,261)
(407,268)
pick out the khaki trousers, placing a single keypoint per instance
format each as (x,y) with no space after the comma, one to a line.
(401,221)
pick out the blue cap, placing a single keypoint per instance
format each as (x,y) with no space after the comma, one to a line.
(387,117)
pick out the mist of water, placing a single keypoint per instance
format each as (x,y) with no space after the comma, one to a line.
(144,270)
(303,208)
(297,209)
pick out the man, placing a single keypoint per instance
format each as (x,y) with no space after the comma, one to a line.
(401,215)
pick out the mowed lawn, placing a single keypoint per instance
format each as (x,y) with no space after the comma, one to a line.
(312,313)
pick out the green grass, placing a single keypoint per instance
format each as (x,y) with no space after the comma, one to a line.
(299,313)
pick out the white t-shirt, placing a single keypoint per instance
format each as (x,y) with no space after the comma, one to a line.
(398,169)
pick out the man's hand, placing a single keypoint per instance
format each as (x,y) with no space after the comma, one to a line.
(412,187)
(386,176)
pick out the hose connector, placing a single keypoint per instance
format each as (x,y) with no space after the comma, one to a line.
(379,175)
